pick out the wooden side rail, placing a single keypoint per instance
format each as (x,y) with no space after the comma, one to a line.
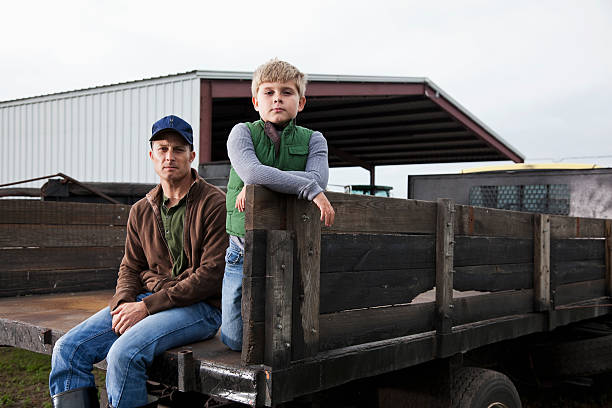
(356,282)
(50,247)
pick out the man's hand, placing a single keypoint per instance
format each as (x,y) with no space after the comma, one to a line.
(327,211)
(126,315)
(241,199)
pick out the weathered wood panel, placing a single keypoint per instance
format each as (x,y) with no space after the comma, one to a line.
(578,271)
(304,221)
(55,213)
(576,227)
(490,306)
(45,259)
(253,296)
(19,283)
(279,285)
(479,221)
(445,227)
(608,226)
(541,262)
(374,252)
(354,290)
(357,213)
(492,250)
(494,278)
(577,292)
(265,209)
(568,250)
(268,210)
(362,326)
(26,235)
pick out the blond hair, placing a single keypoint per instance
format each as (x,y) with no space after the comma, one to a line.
(278,71)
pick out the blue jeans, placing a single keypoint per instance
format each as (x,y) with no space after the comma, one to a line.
(231,298)
(128,355)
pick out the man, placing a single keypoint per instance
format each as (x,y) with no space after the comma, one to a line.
(169,285)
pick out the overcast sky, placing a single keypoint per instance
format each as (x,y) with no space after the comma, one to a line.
(538,73)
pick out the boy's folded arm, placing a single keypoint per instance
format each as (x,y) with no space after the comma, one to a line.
(317,167)
(242,155)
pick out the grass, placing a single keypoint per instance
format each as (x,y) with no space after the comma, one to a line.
(24,378)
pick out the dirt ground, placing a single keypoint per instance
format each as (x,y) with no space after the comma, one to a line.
(24,376)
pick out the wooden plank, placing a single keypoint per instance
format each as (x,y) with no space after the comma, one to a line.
(352,290)
(374,252)
(279,285)
(253,296)
(56,213)
(490,306)
(358,213)
(265,209)
(576,227)
(304,221)
(608,227)
(444,265)
(541,263)
(577,271)
(492,250)
(36,235)
(478,221)
(20,283)
(46,259)
(339,366)
(568,250)
(493,278)
(577,292)
(355,290)
(367,325)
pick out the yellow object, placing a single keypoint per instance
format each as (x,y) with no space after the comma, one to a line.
(531,166)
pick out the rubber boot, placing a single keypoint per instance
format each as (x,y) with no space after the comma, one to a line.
(86,397)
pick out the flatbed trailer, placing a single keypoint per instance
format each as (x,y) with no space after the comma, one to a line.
(393,284)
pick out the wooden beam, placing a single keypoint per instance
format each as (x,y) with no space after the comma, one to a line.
(304,219)
(265,209)
(205,153)
(541,262)
(444,265)
(608,224)
(351,158)
(56,213)
(253,296)
(279,286)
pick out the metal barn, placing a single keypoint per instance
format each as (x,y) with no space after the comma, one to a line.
(100,134)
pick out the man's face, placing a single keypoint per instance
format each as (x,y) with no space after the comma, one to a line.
(278,102)
(171,157)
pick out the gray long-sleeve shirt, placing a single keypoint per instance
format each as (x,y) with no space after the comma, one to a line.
(305,184)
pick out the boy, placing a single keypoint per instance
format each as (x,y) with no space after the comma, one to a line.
(275,153)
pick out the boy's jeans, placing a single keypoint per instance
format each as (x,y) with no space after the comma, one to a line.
(231,298)
(128,355)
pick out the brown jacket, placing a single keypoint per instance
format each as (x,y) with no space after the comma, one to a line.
(147,264)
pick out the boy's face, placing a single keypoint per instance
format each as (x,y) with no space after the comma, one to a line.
(278,102)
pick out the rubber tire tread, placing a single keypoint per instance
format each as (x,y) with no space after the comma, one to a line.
(471,385)
(580,357)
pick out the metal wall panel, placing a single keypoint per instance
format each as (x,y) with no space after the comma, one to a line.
(99,134)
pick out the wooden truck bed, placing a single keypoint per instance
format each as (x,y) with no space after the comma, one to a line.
(324,306)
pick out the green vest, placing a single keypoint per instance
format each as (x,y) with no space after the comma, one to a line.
(292,156)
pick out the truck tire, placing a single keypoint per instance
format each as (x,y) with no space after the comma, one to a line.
(481,388)
(574,358)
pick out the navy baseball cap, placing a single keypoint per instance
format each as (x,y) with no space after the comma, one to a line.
(174,124)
